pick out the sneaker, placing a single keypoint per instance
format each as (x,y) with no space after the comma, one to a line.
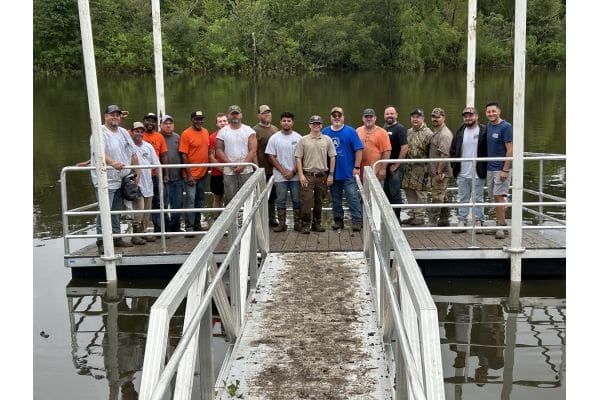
(478,226)
(500,234)
(460,227)
(337,224)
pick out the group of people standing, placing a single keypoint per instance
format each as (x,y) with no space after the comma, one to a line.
(306,167)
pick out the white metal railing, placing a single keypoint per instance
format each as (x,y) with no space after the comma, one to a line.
(545,200)
(200,280)
(401,292)
(91,210)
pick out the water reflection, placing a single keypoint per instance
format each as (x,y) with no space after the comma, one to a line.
(108,327)
(502,345)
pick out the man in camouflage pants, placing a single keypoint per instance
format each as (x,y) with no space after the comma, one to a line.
(416,175)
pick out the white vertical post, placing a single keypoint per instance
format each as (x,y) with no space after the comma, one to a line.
(518,138)
(158,61)
(89,61)
(471,48)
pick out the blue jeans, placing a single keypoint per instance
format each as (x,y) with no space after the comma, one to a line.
(464,196)
(352,198)
(392,186)
(174,194)
(281,188)
(194,199)
(115,199)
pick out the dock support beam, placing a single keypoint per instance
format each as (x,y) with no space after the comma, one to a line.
(89,61)
(471,50)
(158,60)
(518,139)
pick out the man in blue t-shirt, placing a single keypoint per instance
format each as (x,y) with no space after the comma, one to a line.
(499,173)
(349,157)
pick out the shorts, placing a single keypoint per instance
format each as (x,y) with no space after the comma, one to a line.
(216,185)
(497,187)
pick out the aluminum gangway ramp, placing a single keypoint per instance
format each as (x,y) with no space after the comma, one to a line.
(310,333)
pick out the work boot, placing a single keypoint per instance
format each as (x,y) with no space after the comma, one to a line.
(305,228)
(121,243)
(444,215)
(281,227)
(337,224)
(356,227)
(272,220)
(297,225)
(316,227)
(137,228)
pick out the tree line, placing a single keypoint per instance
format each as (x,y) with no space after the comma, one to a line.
(282,36)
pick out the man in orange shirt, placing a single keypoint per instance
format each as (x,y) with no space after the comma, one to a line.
(157,141)
(377,144)
(193,147)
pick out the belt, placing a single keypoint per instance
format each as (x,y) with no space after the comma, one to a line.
(316,174)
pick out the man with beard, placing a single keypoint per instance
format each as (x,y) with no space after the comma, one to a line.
(439,171)
(193,148)
(236,143)
(392,185)
(499,173)
(376,142)
(264,130)
(157,141)
(415,178)
(470,141)
(118,152)
(348,148)
(280,150)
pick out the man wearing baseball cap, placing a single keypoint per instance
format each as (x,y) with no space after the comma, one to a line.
(157,141)
(439,171)
(349,150)
(236,143)
(193,146)
(376,141)
(264,130)
(118,152)
(416,176)
(172,177)
(470,141)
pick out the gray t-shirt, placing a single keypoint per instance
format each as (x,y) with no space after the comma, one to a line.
(119,147)
(283,147)
(173,156)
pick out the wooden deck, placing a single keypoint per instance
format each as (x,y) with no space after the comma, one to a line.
(426,244)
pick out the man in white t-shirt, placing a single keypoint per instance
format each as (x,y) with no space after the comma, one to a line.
(280,151)
(469,141)
(146,156)
(118,152)
(236,143)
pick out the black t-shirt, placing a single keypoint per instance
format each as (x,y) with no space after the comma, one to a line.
(397,135)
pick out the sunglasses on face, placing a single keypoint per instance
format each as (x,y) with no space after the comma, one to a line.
(336,115)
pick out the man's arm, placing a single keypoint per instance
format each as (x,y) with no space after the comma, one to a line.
(303,180)
(357,161)
(332,170)
(220,150)
(287,174)
(188,173)
(506,166)
(381,168)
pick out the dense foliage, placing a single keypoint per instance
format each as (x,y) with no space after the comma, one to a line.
(292,35)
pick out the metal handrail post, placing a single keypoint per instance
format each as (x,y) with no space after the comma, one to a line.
(87,43)
(516,249)
(161,216)
(64,209)
(158,59)
(541,192)
(473,200)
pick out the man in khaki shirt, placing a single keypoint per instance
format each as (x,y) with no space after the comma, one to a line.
(312,154)
(439,171)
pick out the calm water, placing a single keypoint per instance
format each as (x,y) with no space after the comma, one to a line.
(492,347)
